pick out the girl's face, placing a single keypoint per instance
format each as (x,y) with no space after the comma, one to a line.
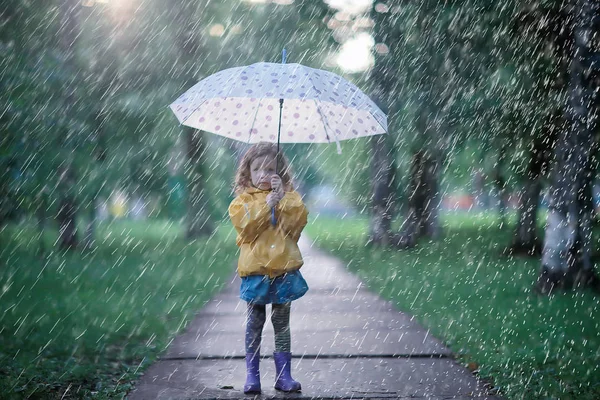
(261,171)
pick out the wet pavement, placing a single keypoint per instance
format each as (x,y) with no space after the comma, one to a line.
(347,343)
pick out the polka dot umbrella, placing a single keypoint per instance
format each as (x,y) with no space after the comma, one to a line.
(287,103)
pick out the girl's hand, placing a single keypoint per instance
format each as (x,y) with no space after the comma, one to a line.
(273,199)
(277,192)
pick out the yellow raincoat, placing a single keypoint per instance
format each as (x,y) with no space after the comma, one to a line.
(266,249)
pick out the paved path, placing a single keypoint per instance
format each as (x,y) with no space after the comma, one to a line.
(347,343)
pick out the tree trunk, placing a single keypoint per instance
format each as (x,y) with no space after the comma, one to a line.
(411,227)
(188,42)
(566,257)
(42,216)
(383,167)
(198,217)
(106,79)
(431,221)
(525,239)
(479,190)
(500,185)
(6,166)
(382,178)
(67,222)
(90,230)
(424,201)
(67,210)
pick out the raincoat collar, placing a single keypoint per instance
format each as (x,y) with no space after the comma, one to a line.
(252,189)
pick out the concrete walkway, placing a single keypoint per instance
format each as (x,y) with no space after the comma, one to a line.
(347,343)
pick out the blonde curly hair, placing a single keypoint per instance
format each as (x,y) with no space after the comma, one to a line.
(243,179)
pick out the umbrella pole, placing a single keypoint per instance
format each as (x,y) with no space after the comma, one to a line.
(273,219)
(279,134)
(283,60)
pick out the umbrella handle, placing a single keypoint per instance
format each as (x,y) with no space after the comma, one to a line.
(273,219)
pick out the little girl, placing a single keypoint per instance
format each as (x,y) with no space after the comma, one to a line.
(269,260)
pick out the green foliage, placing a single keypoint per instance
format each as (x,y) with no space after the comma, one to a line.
(92,322)
(477,73)
(102,114)
(482,306)
(475,67)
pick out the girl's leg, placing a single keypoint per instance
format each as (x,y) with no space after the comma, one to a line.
(282,355)
(255,320)
(280,317)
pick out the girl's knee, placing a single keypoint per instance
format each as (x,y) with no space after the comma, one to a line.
(281,316)
(281,308)
(256,315)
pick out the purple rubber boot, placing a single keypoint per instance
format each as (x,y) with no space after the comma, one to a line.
(253,373)
(283,366)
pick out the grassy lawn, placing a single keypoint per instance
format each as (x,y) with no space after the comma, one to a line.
(87,324)
(481,305)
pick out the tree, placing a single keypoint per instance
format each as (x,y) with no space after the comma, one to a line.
(566,258)
(69,31)
(422,64)
(37,134)
(525,239)
(540,61)
(188,42)
(383,166)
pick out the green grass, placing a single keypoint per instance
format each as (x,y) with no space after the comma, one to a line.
(88,323)
(481,305)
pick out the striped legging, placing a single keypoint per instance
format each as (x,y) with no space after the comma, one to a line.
(255,321)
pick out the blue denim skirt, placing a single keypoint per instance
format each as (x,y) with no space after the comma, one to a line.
(260,289)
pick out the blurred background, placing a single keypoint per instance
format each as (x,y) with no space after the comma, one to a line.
(86,129)
(114,226)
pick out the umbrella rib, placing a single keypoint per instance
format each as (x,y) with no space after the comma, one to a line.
(193,111)
(254,120)
(317,105)
(205,100)
(326,126)
(354,94)
(240,70)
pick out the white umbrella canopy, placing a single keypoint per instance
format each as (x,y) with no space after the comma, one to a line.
(243,103)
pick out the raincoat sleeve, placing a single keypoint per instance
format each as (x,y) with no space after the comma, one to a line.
(292,214)
(250,217)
